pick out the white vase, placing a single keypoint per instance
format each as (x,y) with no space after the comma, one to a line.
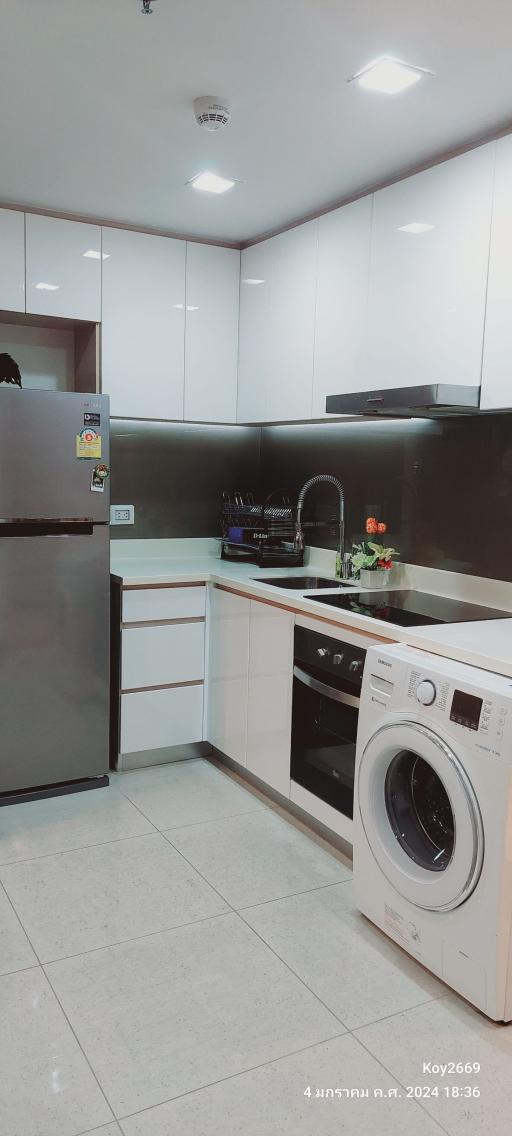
(374,578)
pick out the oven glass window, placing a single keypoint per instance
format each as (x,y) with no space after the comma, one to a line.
(419,811)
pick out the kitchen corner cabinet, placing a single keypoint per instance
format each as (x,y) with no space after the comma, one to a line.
(62,279)
(428,275)
(12,260)
(143,324)
(496,390)
(270,686)
(341,301)
(211,333)
(277,327)
(228,673)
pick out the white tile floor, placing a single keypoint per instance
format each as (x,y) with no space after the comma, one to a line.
(176,957)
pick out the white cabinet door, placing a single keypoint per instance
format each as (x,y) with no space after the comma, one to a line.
(428,275)
(497,362)
(143,328)
(228,673)
(211,333)
(154,719)
(341,300)
(277,327)
(162,655)
(12,260)
(254,344)
(269,717)
(292,333)
(63,268)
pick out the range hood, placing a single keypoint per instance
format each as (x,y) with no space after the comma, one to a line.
(435,400)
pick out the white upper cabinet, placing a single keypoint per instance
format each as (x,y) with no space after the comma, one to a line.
(428,275)
(292,333)
(277,327)
(497,363)
(211,333)
(143,328)
(254,344)
(12,260)
(63,268)
(341,300)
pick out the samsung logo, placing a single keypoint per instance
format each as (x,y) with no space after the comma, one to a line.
(384,663)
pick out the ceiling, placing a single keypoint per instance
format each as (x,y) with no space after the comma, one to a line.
(97,117)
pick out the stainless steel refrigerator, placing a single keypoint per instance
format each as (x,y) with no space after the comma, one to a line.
(54,592)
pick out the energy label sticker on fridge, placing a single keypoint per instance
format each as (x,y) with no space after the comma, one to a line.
(88,443)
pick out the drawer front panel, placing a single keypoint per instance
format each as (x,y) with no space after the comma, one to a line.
(152,719)
(160,655)
(145,604)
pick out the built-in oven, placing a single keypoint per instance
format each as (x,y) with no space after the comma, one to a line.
(327,678)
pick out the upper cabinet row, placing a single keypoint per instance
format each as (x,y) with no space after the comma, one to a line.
(168,309)
(388,291)
(408,286)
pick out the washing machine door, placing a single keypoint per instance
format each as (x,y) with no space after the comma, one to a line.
(420,816)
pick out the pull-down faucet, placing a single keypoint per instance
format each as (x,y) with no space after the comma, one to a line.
(299,531)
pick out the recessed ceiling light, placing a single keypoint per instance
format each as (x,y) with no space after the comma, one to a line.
(189,307)
(211,183)
(93,254)
(252,280)
(415,227)
(44,287)
(389,75)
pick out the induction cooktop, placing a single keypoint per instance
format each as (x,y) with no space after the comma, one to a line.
(409,608)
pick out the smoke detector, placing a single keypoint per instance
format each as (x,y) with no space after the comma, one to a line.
(212,113)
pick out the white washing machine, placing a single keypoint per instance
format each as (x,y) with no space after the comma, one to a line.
(433,818)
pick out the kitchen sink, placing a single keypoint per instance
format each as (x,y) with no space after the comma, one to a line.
(301,583)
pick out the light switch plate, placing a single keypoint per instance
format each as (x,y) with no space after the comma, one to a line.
(122,514)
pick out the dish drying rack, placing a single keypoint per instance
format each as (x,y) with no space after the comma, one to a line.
(265,532)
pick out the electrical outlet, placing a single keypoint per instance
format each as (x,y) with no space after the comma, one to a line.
(122,514)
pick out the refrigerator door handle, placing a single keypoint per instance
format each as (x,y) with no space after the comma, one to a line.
(42,526)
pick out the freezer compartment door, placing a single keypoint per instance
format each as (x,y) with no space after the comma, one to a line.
(40,473)
(54,658)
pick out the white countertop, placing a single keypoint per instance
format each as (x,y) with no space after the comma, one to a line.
(486,644)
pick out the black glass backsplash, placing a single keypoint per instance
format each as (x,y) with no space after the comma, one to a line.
(443,486)
(175,474)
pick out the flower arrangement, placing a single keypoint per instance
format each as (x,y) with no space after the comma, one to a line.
(368,556)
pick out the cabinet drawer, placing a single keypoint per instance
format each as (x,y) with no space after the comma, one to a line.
(152,719)
(145,604)
(158,656)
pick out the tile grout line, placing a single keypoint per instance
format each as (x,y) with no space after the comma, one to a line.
(230,1077)
(40,966)
(78,848)
(394,1076)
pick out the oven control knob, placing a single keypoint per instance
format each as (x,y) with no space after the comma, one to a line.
(355,666)
(337,660)
(322,652)
(426,692)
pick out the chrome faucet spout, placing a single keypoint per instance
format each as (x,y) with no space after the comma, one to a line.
(299,531)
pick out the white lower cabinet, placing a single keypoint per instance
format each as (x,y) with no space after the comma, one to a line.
(250,685)
(269,712)
(154,719)
(162,654)
(228,673)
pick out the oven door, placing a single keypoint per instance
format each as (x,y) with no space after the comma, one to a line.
(324,732)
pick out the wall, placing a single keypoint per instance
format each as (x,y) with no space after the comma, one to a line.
(444,486)
(175,473)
